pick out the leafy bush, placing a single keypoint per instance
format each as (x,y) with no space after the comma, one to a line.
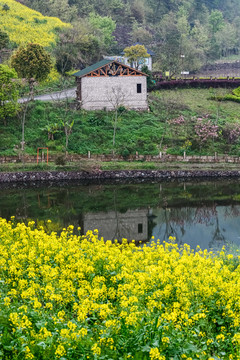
(60,160)
(232,98)
(236,92)
(125,153)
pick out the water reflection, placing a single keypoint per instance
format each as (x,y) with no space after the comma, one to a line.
(133,224)
(210,227)
(197,213)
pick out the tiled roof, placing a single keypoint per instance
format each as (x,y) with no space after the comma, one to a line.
(100,64)
(93,67)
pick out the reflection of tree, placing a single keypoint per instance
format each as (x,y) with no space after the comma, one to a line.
(204,215)
(22,210)
(217,234)
(117,230)
(208,216)
(174,221)
(232,211)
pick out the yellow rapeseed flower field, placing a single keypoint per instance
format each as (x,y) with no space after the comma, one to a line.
(24,25)
(80,297)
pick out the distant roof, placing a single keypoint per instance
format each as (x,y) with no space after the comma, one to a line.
(150,52)
(100,64)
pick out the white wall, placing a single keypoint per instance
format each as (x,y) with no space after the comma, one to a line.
(113,91)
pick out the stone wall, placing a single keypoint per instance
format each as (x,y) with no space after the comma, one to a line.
(135,175)
(113,91)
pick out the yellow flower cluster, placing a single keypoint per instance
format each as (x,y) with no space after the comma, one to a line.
(24,25)
(80,297)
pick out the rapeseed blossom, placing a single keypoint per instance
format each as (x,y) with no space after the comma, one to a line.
(80,297)
(24,25)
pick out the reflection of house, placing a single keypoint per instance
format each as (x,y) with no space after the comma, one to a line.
(132,225)
(109,84)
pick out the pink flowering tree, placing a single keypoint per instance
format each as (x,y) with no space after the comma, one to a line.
(177,125)
(205,130)
(232,133)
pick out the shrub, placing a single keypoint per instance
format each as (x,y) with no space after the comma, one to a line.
(5,7)
(236,92)
(60,160)
(125,153)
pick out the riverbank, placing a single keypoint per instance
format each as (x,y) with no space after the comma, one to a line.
(56,176)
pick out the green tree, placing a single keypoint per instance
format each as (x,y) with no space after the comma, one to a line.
(150,81)
(4,40)
(216,21)
(64,62)
(168,38)
(57,8)
(32,63)
(103,27)
(8,93)
(226,39)
(135,54)
(77,47)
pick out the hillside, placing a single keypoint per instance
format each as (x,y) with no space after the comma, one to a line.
(201,31)
(183,119)
(24,25)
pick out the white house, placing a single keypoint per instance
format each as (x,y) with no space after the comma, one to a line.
(144,61)
(109,84)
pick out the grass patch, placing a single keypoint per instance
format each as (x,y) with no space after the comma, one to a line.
(89,165)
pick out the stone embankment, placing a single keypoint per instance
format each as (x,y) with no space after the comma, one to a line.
(56,176)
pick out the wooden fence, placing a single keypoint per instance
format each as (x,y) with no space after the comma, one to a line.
(74,158)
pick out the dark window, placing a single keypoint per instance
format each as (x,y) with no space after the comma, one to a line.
(139,88)
(140,228)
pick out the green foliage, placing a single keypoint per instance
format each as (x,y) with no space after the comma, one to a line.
(32,61)
(232,98)
(235,96)
(64,62)
(150,81)
(79,46)
(135,54)
(104,26)
(4,40)
(216,21)
(5,7)
(8,93)
(236,92)
(60,160)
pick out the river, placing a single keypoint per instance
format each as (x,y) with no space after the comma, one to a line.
(205,213)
